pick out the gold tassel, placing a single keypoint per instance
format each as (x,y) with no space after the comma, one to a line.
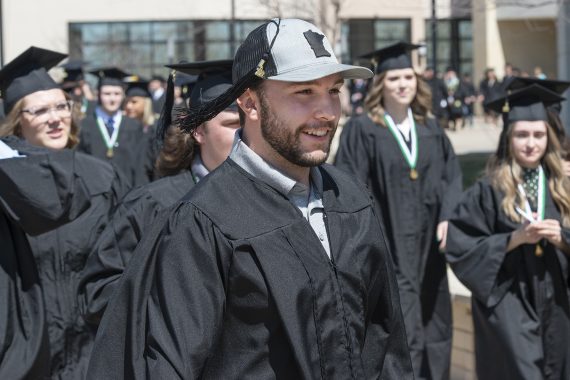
(260,72)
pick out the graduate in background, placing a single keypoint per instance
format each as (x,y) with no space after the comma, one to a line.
(274,266)
(76,86)
(138,103)
(183,161)
(40,113)
(108,135)
(408,163)
(508,243)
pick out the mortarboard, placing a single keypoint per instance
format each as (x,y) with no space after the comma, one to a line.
(186,83)
(558,86)
(109,76)
(528,103)
(213,79)
(28,73)
(392,57)
(73,70)
(136,86)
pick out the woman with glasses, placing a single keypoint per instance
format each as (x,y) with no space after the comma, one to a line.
(39,119)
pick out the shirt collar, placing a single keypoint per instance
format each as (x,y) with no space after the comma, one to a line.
(252,163)
(105,116)
(199,170)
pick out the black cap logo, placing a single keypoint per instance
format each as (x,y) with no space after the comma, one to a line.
(315,40)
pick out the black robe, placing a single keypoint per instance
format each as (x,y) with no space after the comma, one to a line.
(130,154)
(47,196)
(237,285)
(60,255)
(410,211)
(520,301)
(114,249)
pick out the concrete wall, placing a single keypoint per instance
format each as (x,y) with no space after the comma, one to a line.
(528,43)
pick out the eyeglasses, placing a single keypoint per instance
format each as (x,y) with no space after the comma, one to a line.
(61,109)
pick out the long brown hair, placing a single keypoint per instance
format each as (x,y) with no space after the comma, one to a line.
(177,152)
(505,174)
(11,124)
(421,105)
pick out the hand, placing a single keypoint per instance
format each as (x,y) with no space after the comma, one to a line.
(550,230)
(526,234)
(441,234)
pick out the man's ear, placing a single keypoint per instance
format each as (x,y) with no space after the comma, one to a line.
(198,134)
(248,102)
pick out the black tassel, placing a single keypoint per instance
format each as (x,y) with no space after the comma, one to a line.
(190,119)
(165,119)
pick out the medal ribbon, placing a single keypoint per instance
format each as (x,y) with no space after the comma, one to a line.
(410,156)
(109,140)
(527,213)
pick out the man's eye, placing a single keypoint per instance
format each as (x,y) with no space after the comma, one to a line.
(335,91)
(305,91)
(61,107)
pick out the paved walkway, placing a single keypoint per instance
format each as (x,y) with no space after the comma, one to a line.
(480,137)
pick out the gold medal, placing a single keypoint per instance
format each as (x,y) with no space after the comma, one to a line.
(110,153)
(413,174)
(538,251)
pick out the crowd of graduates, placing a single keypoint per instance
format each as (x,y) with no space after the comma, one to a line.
(189,228)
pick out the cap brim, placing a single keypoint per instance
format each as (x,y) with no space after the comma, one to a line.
(321,70)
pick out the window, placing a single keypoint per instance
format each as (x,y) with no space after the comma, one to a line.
(454,45)
(144,47)
(360,36)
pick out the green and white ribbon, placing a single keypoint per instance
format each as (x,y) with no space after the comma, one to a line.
(109,140)
(411,155)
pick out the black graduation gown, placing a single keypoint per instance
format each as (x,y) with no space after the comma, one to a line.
(114,249)
(410,211)
(47,196)
(521,315)
(60,255)
(130,154)
(237,285)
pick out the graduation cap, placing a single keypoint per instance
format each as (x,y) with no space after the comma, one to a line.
(392,57)
(213,79)
(289,50)
(28,73)
(528,104)
(558,86)
(73,70)
(109,76)
(136,86)
(186,83)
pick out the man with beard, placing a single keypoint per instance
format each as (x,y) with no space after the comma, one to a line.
(274,265)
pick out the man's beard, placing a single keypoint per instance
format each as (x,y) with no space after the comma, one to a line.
(288,143)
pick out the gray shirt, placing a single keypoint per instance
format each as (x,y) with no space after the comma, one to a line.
(308,199)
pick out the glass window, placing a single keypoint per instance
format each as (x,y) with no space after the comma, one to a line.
(465,29)
(118,32)
(389,31)
(140,31)
(217,30)
(161,31)
(218,50)
(95,33)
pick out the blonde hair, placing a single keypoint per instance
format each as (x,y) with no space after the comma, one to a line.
(148,117)
(421,104)
(506,174)
(11,125)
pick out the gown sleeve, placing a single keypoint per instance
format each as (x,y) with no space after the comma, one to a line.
(113,251)
(352,155)
(43,192)
(152,329)
(475,251)
(452,180)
